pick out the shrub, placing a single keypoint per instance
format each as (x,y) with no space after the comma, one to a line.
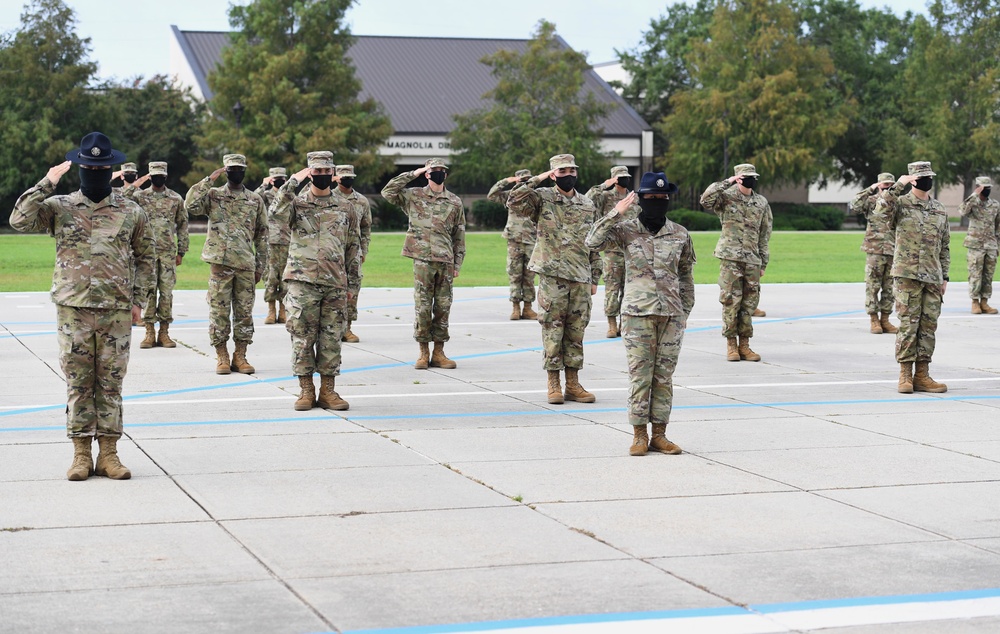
(788,216)
(695,220)
(488,214)
(387,216)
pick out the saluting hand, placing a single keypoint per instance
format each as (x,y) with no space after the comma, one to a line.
(217,173)
(626,202)
(301,175)
(140,181)
(56,172)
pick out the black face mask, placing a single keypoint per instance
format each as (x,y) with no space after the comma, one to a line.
(749,182)
(95,184)
(924,183)
(347,181)
(129,177)
(159,180)
(654,213)
(986,192)
(624,181)
(321,181)
(438,176)
(566,183)
(277,182)
(235,176)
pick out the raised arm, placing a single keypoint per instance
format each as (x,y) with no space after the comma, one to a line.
(31,213)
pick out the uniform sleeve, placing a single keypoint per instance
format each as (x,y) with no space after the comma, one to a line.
(597,195)
(972,206)
(685,275)
(715,199)
(352,254)
(765,237)
(458,238)
(279,215)
(861,206)
(596,266)
(603,234)
(497,193)
(395,190)
(144,255)
(196,202)
(524,201)
(945,255)
(260,238)
(181,221)
(365,224)
(31,213)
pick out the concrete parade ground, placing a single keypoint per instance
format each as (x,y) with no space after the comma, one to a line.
(811,495)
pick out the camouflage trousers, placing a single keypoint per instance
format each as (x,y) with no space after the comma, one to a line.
(316,323)
(352,304)
(162,308)
(652,345)
(432,295)
(878,284)
(230,289)
(275,287)
(564,312)
(614,282)
(982,265)
(739,294)
(522,280)
(918,306)
(93,352)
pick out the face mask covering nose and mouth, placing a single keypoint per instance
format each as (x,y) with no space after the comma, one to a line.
(95,184)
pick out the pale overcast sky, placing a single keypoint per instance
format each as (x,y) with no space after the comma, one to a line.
(131,37)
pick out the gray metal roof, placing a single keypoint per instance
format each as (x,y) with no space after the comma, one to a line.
(392,71)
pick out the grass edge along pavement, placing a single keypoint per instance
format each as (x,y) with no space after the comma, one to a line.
(26,260)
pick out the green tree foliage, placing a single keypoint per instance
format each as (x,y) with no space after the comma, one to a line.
(539,109)
(288,67)
(760,94)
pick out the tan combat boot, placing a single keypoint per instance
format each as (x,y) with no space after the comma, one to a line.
(640,441)
(574,391)
(527,313)
(439,360)
(240,363)
(108,464)
(328,397)
(613,330)
(150,339)
(163,338)
(976,308)
(659,442)
(922,381)
(425,357)
(271,315)
(986,308)
(876,327)
(746,354)
(905,378)
(349,336)
(222,360)
(887,326)
(307,394)
(732,351)
(759,313)
(516,313)
(83,460)
(555,390)
(282,315)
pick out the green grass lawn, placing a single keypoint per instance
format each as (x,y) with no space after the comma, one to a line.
(26,260)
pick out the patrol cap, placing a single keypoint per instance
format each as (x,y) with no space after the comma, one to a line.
(562,160)
(435,162)
(275,172)
(158,168)
(984,181)
(886,177)
(129,167)
(522,174)
(234,160)
(620,170)
(746,169)
(656,183)
(320,159)
(95,149)
(346,170)
(920,168)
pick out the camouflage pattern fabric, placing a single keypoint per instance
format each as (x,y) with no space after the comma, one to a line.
(160,304)
(982,266)
(923,250)
(361,209)
(237,225)
(518,228)
(981,242)
(316,315)
(522,280)
(878,284)
(652,345)
(919,306)
(432,296)
(605,200)
(94,348)
(879,237)
(613,260)
(169,223)
(275,287)
(746,223)
(436,231)
(564,312)
(739,294)
(232,290)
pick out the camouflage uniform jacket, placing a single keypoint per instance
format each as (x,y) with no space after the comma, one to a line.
(746,223)
(563,223)
(361,209)
(237,224)
(518,228)
(95,246)
(436,231)
(276,234)
(879,238)
(659,277)
(325,246)
(984,223)
(923,250)
(168,220)
(605,200)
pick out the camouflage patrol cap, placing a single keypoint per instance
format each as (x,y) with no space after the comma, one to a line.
(522,174)
(984,181)
(435,162)
(920,168)
(618,171)
(234,160)
(129,167)
(158,168)
(320,159)
(275,172)
(346,170)
(562,160)
(886,177)
(745,169)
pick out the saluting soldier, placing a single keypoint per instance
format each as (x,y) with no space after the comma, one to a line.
(277,249)
(981,241)
(361,210)
(879,244)
(520,235)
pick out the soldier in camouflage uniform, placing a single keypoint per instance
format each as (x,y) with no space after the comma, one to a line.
(361,210)
(568,271)
(659,295)
(169,223)
(879,244)
(277,249)
(743,248)
(322,273)
(520,235)
(981,242)
(605,197)
(236,249)
(129,175)
(920,271)
(435,240)
(98,235)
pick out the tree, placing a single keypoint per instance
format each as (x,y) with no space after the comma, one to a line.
(759,94)
(288,68)
(539,109)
